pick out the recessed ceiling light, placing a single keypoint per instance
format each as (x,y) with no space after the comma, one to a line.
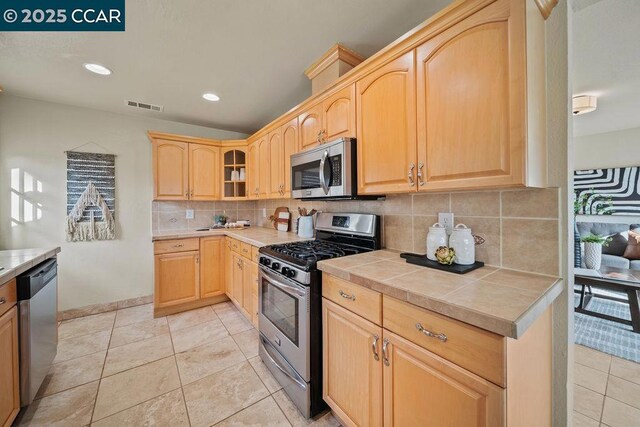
(211,96)
(98,69)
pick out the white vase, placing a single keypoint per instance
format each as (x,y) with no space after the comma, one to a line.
(305,226)
(592,255)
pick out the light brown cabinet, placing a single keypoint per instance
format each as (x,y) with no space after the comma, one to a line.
(352,370)
(339,114)
(381,368)
(385,103)
(471,82)
(170,170)
(310,126)
(234,160)
(188,273)
(9,368)
(275,165)
(422,389)
(253,173)
(289,146)
(212,266)
(185,171)
(204,181)
(238,279)
(177,278)
(247,287)
(260,169)
(242,282)
(331,118)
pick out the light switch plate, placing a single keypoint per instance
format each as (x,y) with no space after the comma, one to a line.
(264,212)
(446,219)
(189,213)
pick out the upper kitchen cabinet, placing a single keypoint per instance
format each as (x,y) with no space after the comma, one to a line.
(170,170)
(204,166)
(234,163)
(332,118)
(473,86)
(310,126)
(264,169)
(275,165)
(289,146)
(253,173)
(339,114)
(386,128)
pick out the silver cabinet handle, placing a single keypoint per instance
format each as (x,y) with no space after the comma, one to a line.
(197,260)
(3,300)
(240,264)
(178,245)
(412,166)
(374,347)
(420,176)
(346,295)
(441,337)
(385,356)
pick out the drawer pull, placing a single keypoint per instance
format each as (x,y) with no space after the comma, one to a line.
(374,347)
(178,245)
(3,300)
(385,356)
(441,337)
(346,295)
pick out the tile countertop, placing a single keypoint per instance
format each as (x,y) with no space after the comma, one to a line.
(17,261)
(502,301)
(255,236)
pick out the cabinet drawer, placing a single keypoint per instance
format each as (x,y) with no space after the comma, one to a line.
(255,255)
(177,245)
(235,246)
(360,300)
(477,350)
(245,250)
(8,295)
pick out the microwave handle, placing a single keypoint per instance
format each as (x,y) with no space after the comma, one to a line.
(323,182)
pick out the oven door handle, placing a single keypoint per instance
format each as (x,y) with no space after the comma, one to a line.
(291,375)
(283,286)
(323,182)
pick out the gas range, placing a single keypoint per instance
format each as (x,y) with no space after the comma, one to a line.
(290,302)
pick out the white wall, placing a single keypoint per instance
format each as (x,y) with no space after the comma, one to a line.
(608,150)
(33,138)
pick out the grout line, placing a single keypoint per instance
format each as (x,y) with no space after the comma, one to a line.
(104,362)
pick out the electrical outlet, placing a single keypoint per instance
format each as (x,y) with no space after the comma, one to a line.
(264,212)
(446,219)
(189,214)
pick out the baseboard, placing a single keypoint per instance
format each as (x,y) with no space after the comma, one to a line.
(165,311)
(88,310)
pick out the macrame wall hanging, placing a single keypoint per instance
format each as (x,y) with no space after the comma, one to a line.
(91,196)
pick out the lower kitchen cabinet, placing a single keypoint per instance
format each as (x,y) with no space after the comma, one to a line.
(9,382)
(238,279)
(177,278)
(423,389)
(242,277)
(211,266)
(352,366)
(380,368)
(188,273)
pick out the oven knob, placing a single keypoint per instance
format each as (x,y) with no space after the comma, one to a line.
(275,265)
(285,271)
(291,273)
(265,261)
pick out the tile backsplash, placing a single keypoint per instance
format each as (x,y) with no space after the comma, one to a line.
(520,227)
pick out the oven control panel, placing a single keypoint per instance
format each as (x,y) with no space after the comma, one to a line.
(283,268)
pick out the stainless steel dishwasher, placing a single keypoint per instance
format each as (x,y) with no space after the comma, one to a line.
(38,326)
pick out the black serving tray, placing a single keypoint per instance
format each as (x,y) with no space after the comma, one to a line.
(422,260)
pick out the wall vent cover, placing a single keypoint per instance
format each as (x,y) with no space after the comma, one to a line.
(144,106)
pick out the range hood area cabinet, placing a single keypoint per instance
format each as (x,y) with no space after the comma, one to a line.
(465,109)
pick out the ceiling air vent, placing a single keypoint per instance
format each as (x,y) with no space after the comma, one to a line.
(144,106)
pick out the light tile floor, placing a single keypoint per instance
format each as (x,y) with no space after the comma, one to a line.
(607,390)
(198,368)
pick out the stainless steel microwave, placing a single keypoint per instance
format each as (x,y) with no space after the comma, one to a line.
(325,172)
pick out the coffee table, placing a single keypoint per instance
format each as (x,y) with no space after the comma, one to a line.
(611,278)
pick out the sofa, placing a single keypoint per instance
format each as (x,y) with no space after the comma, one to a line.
(612,253)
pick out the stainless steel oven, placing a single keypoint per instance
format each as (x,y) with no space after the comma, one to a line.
(327,171)
(284,318)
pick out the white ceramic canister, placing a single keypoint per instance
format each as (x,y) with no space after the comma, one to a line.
(463,243)
(305,226)
(436,237)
